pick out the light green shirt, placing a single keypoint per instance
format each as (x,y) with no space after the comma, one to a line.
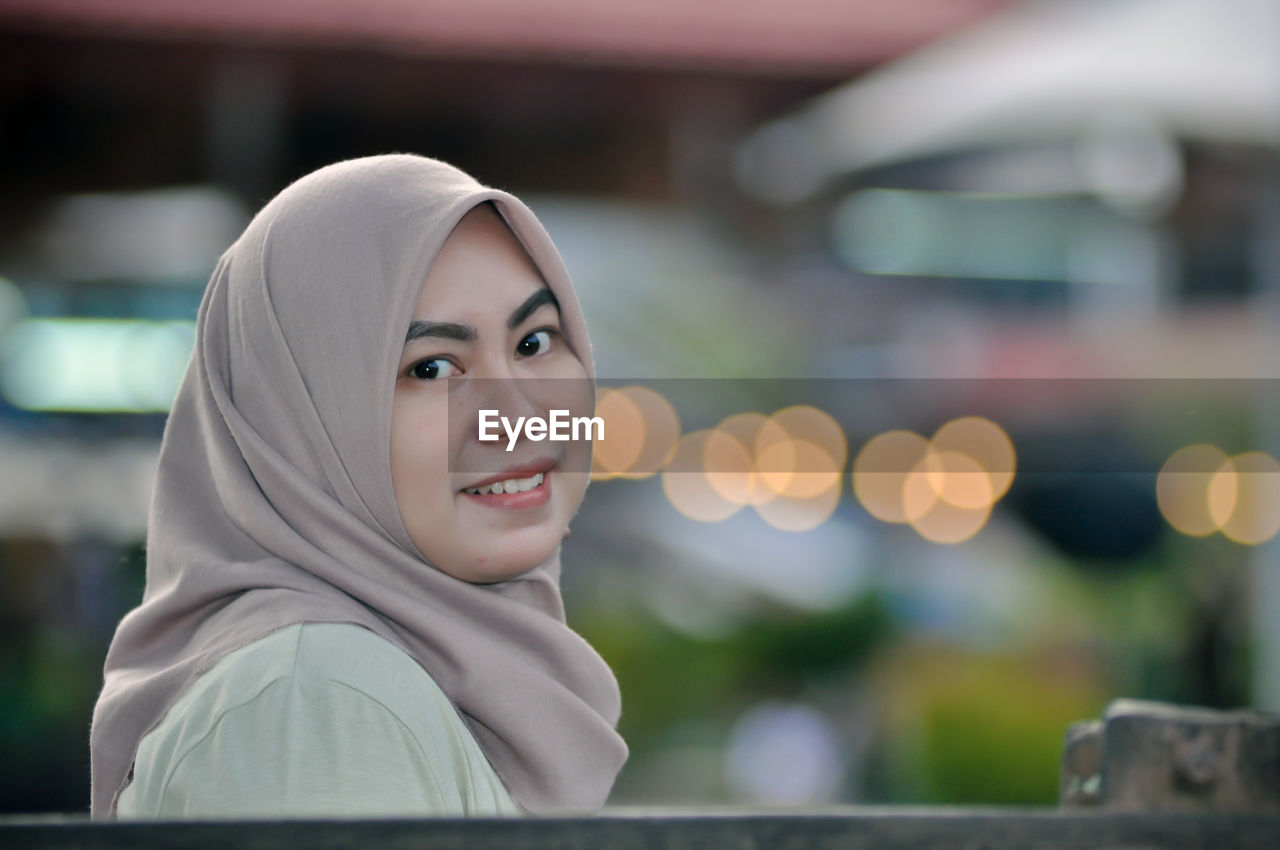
(314,720)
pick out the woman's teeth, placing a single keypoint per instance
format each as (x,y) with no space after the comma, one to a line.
(511,485)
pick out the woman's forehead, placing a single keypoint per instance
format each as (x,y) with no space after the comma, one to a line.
(482,269)
(482,224)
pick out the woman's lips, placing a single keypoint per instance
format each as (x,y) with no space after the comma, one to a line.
(517,489)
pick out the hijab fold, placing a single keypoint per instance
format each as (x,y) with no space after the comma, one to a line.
(273,500)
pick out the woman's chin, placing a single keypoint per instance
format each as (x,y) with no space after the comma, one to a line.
(507,559)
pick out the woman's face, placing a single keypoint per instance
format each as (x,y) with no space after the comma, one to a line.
(484,331)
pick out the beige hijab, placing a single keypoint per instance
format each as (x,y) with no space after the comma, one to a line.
(273,501)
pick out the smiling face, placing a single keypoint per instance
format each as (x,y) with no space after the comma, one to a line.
(484,328)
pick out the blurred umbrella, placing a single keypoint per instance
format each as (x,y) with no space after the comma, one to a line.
(1118,72)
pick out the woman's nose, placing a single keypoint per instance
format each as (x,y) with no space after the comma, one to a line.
(499,386)
(493,365)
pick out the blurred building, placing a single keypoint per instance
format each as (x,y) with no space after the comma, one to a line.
(1060,216)
(1078,190)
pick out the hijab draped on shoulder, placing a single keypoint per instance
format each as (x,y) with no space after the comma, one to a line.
(273,500)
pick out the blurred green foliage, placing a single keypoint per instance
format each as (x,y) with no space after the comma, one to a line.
(669,677)
(971,727)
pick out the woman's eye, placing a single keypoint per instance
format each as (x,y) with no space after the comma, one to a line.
(535,343)
(431,370)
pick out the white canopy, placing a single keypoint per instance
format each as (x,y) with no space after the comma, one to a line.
(1042,71)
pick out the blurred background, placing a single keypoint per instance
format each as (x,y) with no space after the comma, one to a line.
(940,337)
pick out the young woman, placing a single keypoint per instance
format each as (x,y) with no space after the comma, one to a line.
(352,605)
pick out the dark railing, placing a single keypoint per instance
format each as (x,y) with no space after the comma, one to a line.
(1146,776)
(846,829)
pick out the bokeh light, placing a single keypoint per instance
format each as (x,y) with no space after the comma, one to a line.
(1253,478)
(737,474)
(946,523)
(1222,494)
(947,497)
(815,470)
(624,435)
(792,482)
(640,434)
(686,483)
(985,442)
(810,494)
(951,477)
(945,487)
(780,459)
(1183,491)
(729,467)
(788,512)
(661,431)
(880,472)
(1200,490)
(95,365)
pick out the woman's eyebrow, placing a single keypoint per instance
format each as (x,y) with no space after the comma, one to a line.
(420,328)
(533,302)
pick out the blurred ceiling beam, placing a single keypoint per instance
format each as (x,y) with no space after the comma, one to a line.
(622,99)
(746,36)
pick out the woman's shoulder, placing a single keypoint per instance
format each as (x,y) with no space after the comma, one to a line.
(314,653)
(313,663)
(316,700)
